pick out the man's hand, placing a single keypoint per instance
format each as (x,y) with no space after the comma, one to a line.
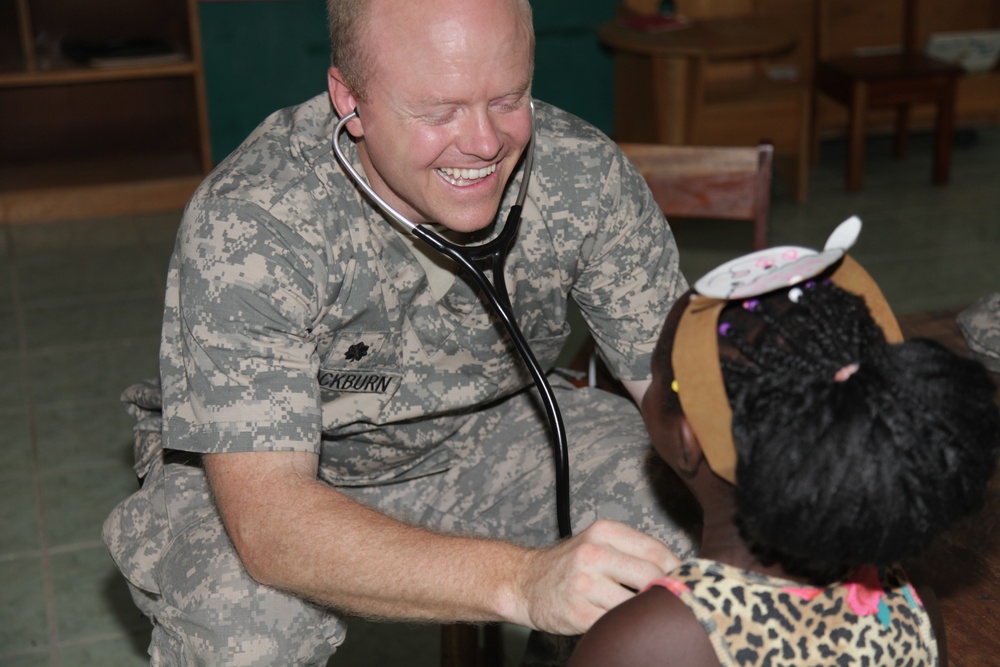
(569,586)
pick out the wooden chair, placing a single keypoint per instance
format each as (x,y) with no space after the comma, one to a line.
(866,81)
(724,183)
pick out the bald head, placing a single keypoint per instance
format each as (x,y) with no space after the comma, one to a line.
(357,27)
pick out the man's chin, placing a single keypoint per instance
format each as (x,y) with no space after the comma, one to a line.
(467,224)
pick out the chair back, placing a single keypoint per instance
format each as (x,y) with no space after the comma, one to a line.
(709,182)
(845,26)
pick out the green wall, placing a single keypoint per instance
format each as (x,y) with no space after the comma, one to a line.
(261,56)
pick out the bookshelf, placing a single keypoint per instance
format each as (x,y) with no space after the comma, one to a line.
(124,131)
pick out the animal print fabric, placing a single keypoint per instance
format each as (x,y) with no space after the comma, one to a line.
(874,619)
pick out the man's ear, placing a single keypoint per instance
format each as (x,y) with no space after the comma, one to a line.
(691,454)
(344,100)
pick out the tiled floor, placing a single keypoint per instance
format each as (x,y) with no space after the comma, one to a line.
(79,314)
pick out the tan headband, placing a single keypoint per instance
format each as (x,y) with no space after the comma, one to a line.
(695,359)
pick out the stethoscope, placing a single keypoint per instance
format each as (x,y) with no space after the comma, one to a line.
(496,293)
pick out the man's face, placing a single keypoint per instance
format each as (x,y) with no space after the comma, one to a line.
(447,109)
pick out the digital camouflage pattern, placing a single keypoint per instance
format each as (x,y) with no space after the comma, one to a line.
(296,318)
(980,326)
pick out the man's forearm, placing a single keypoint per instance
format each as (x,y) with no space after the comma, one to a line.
(297,534)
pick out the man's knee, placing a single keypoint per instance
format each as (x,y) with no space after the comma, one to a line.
(211,612)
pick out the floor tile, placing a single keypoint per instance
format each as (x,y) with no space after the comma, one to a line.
(158,234)
(91,597)
(39,658)
(158,231)
(9,336)
(16,458)
(100,370)
(57,279)
(83,432)
(77,501)
(74,238)
(23,624)
(19,519)
(116,652)
(11,379)
(936,281)
(110,318)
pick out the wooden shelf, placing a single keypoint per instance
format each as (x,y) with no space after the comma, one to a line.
(97,186)
(68,74)
(112,198)
(81,141)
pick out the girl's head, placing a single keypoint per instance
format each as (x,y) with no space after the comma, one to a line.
(849,450)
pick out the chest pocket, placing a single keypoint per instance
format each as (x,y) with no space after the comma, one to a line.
(359,373)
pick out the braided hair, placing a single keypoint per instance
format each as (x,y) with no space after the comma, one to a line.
(851,451)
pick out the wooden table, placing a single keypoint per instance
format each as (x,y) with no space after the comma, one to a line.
(658,75)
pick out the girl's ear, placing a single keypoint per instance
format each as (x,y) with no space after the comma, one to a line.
(344,100)
(691,455)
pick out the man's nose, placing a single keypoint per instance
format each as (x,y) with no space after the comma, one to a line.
(480,136)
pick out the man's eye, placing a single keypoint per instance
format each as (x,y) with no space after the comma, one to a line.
(510,103)
(439,118)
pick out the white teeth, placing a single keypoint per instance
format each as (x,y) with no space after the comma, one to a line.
(457,176)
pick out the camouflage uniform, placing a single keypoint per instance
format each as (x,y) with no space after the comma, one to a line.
(980,326)
(298,319)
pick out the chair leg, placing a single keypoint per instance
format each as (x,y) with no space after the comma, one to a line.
(902,139)
(459,645)
(814,130)
(802,191)
(943,134)
(492,645)
(808,147)
(856,138)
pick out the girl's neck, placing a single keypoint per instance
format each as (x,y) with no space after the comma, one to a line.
(721,540)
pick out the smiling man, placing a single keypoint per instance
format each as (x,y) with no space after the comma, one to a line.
(347,429)
(444,113)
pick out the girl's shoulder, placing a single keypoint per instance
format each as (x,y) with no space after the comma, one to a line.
(653,628)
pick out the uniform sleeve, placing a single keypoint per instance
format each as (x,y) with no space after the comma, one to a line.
(238,362)
(632,276)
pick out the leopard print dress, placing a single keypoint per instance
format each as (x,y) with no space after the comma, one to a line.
(874,619)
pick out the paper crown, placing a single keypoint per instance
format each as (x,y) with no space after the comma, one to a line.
(695,355)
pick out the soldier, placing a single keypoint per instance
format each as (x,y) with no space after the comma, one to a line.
(346,430)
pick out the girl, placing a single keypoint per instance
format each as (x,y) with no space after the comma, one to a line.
(823,450)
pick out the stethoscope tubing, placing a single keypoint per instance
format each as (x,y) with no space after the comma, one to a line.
(495,251)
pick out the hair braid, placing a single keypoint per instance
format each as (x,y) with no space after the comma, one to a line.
(834,474)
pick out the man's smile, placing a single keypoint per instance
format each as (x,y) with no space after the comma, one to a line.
(464,177)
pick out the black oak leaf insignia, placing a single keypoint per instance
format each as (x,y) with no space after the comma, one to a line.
(356,352)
